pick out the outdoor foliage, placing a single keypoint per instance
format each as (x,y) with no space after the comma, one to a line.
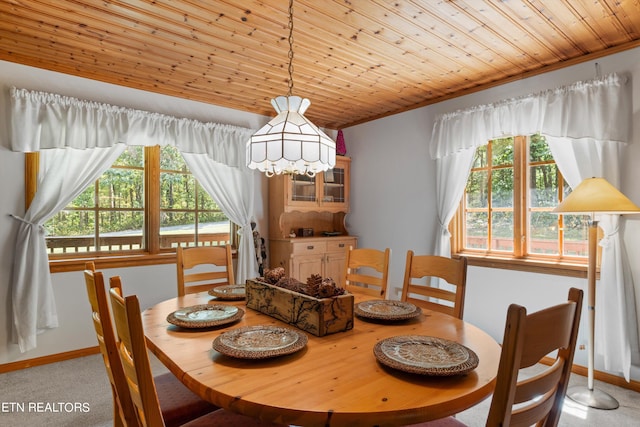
(115,203)
(490,195)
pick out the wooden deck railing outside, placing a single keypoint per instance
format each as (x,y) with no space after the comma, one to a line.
(70,245)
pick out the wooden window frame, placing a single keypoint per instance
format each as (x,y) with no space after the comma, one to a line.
(519,259)
(152,255)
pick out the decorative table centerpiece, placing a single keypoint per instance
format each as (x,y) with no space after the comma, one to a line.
(318,306)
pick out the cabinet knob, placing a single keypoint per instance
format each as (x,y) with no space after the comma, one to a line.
(341,245)
(310,247)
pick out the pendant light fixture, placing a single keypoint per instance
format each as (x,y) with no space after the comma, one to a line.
(290,143)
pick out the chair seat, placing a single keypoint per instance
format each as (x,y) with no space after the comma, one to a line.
(178,404)
(224,418)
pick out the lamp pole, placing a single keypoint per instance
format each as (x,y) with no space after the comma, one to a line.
(590,196)
(590,396)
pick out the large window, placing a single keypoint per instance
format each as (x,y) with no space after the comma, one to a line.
(513,186)
(146,203)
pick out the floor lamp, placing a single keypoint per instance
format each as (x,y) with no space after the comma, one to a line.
(594,195)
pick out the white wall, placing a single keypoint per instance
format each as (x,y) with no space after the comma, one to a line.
(393,187)
(393,194)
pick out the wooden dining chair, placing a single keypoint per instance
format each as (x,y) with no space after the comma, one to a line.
(418,287)
(123,411)
(203,267)
(367,271)
(177,403)
(132,351)
(528,338)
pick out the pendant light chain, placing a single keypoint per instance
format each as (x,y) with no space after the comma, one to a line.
(290,48)
(290,143)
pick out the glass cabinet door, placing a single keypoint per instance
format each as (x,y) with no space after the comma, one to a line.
(334,186)
(303,188)
(334,191)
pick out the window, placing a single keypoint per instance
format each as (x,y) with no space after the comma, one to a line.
(147,203)
(188,215)
(505,213)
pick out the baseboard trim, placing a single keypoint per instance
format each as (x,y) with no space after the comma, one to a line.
(44,360)
(600,376)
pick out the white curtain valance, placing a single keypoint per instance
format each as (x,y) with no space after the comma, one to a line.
(42,120)
(598,109)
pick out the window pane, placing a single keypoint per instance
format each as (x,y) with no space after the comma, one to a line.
(502,188)
(172,160)
(477,230)
(543,233)
(543,186)
(115,215)
(120,230)
(502,231)
(86,199)
(177,191)
(576,231)
(480,158)
(71,231)
(205,202)
(538,149)
(477,190)
(576,235)
(177,228)
(132,156)
(213,229)
(121,189)
(502,152)
(188,215)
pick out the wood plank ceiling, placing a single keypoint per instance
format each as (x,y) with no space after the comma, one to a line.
(356,60)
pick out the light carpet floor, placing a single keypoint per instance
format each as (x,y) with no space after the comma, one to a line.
(76,393)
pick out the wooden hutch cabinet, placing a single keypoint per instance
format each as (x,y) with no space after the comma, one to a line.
(320,204)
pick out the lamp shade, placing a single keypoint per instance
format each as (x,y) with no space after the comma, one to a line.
(290,143)
(596,195)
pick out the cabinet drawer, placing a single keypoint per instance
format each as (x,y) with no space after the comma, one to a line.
(339,245)
(302,248)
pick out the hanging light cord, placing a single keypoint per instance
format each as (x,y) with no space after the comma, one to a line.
(290,48)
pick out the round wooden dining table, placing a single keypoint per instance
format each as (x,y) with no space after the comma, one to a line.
(335,380)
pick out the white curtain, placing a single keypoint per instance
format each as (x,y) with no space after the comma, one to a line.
(64,174)
(616,328)
(451,179)
(594,118)
(84,138)
(233,190)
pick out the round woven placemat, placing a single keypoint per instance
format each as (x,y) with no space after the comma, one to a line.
(425,355)
(188,317)
(228,292)
(260,342)
(387,310)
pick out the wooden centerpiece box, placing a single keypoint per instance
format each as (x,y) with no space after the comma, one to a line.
(318,316)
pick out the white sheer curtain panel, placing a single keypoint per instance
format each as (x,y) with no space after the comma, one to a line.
(64,174)
(75,132)
(233,190)
(594,117)
(451,179)
(616,328)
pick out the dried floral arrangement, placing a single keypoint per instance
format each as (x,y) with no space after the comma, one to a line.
(316,286)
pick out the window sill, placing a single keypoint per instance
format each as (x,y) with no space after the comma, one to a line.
(104,262)
(555,268)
